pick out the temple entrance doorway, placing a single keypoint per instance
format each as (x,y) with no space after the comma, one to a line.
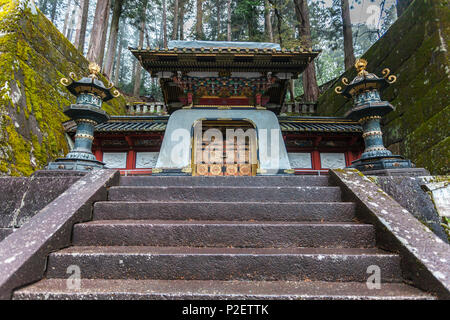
(224,148)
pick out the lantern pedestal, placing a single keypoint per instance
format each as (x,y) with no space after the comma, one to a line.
(368,110)
(87,113)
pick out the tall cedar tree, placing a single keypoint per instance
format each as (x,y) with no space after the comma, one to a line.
(114,30)
(97,34)
(348,35)
(268,21)
(138,70)
(199,35)
(80,36)
(164,22)
(228,20)
(310,87)
(175,21)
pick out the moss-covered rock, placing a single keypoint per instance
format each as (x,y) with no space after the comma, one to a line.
(415,49)
(34,56)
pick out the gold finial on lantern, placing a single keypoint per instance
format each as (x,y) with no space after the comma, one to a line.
(361,65)
(94,69)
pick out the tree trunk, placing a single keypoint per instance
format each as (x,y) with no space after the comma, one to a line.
(292,89)
(219,22)
(181,19)
(279,19)
(100,21)
(175,21)
(53,12)
(112,44)
(268,21)
(67,17)
(164,24)
(228,20)
(402,5)
(43,5)
(138,68)
(310,87)
(118,60)
(104,35)
(348,35)
(80,37)
(199,22)
(75,12)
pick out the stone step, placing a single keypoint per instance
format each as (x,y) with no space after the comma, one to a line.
(243,234)
(225,194)
(231,211)
(188,263)
(280,181)
(100,289)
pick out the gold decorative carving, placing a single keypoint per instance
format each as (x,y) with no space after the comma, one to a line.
(216,169)
(245,169)
(390,78)
(187,170)
(361,65)
(202,169)
(94,69)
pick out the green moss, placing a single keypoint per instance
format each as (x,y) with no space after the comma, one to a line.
(34,56)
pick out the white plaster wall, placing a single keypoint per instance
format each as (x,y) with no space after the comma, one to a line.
(176,148)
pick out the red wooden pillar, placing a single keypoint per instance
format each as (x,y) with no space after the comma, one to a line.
(316,160)
(348,158)
(98,155)
(97,150)
(131,160)
(131,157)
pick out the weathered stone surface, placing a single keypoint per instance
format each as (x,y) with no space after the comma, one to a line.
(212,193)
(259,264)
(242,234)
(11,194)
(415,49)
(230,237)
(22,198)
(439,188)
(23,254)
(410,172)
(230,211)
(259,181)
(407,191)
(100,289)
(425,257)
(4,232)
(34,56)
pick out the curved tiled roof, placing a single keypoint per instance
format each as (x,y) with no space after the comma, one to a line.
(287,124)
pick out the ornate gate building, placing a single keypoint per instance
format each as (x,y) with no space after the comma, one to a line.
(227,116)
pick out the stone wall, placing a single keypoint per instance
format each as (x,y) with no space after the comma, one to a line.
(410,194)
(416,50)
(23,197)
(34,56)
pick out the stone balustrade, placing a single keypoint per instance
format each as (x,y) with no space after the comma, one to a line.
(146,108)
(301,108)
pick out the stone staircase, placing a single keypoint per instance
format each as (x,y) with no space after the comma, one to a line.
(223,238)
